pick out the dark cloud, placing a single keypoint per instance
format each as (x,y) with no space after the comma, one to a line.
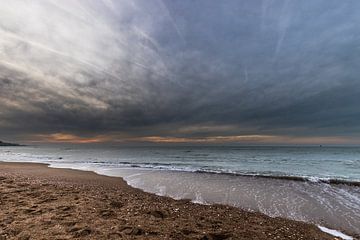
(180,68)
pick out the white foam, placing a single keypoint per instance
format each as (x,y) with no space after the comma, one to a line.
(335,233)
(314,179)
(199,199)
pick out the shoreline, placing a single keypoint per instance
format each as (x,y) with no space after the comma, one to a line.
(272,197)
(193,221)
(293,178)
(310,179)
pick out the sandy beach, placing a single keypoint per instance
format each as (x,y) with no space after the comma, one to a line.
(38,202)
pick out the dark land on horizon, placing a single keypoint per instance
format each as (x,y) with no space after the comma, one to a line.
(6,144)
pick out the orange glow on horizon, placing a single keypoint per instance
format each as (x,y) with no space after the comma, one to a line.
(246,139)
(70,138)
(214,139)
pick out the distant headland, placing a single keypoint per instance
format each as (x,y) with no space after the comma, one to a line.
(5,144)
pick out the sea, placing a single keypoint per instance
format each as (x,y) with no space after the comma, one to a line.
(315,184)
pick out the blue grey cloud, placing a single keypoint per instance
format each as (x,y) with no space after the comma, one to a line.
(145,68)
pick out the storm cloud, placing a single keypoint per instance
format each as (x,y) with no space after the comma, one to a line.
(197,71)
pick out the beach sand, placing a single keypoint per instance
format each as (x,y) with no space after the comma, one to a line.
(38,202)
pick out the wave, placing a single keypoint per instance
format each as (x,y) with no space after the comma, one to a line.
(311,179)
(207,170)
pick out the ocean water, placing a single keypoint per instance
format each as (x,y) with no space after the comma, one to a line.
(313,184)
(312,163)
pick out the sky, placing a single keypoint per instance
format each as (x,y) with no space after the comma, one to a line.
(180,71)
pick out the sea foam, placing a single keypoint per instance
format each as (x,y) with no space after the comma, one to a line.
(335,233)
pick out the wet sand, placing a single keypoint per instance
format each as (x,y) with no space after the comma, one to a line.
(336,206)
(37,202)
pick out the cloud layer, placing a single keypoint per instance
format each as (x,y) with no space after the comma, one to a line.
(181,70)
